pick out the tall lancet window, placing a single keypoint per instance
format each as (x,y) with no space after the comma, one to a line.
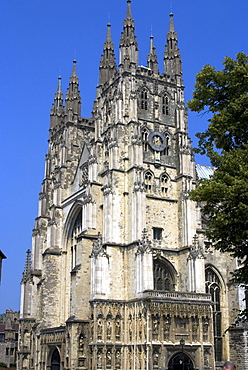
(213,287)
(162,277)
(165,105)
(144,99)
(76,230)
(145,134)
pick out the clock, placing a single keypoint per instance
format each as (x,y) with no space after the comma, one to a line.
(157,141)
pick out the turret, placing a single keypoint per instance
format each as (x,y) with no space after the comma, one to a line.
(108,62)
(172,58)
(152,60)
(73,99)
(128,43)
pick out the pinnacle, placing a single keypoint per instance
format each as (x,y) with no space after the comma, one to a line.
(129,12)
(172,29)
(74,72)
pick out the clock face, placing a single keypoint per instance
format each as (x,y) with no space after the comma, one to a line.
(157,141)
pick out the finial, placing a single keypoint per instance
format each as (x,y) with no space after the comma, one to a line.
(151,44)
(74,72)
(172,29)
(59,84)
(109,33)
(129,13)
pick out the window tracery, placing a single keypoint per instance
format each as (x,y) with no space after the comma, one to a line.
(165,105)
(144,99)
(213,287)
(76,230)
(162,277)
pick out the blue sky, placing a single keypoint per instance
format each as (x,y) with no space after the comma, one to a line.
(38,41)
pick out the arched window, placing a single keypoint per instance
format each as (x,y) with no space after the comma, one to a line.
(162,276)
(148,181)
(75,231)
(144,99)
(165,105)
(213,287)
(145,134)
(164,184)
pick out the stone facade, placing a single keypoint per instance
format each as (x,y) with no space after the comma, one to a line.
(121,275)
(9,337)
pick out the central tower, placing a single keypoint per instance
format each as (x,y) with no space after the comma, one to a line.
(116,279)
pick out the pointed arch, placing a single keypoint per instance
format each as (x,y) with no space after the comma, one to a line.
(181,360)
(71,219)
(54,358)
(148,179)
(144,135)
(214,287)
(72,229)
(144,99)
(164,183)
(164,274)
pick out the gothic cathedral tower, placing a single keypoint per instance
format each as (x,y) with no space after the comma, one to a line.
(120,275)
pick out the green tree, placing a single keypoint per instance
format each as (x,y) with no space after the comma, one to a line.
(224,96)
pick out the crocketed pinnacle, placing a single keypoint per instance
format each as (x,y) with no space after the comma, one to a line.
(73,99)
(152,60)
(128,43)
(108,62)
(57,107)
(172,59)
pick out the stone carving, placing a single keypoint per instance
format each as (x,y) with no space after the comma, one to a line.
(99,329)
(167,324)
(109,329)
(155,326)
(108,358)
(117,329)
(144,245)
(205,323)
(195,325)
(98,249)
(118,359)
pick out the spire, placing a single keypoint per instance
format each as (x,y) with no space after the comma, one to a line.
(128,43)
(73,99)
(172,59)
(57,107)
(108,63)
(152,60)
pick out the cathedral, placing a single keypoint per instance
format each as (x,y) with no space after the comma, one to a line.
(120,274)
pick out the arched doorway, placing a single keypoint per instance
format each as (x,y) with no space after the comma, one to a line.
(55,361)
(180,362)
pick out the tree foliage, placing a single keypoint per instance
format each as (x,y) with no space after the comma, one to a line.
(224,95)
